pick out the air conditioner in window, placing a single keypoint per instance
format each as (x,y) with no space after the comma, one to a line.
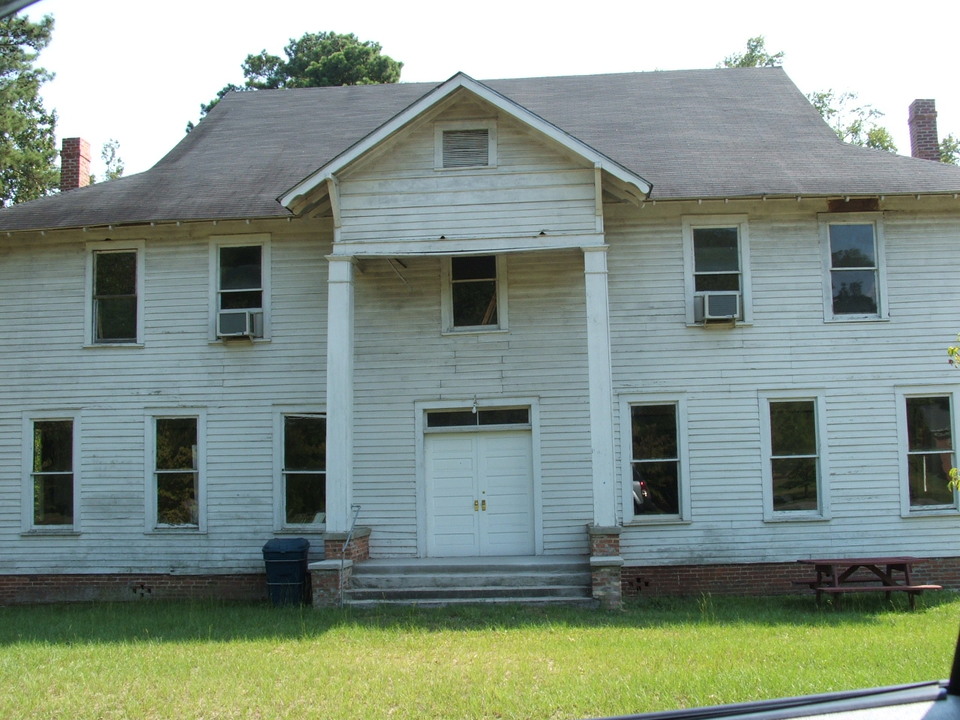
(711,308)
(239,324)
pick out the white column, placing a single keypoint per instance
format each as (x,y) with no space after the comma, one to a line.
(339,393)
(601,387)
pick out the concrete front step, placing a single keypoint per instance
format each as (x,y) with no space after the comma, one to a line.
(438,581)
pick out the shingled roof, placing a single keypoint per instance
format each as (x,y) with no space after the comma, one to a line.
(692,133)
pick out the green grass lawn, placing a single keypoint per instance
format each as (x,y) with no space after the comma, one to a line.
(211,661)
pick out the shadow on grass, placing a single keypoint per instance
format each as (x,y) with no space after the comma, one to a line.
(160,621)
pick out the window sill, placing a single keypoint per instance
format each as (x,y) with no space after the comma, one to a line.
(857,319)
(239,341)
(175,531)
(51,532)
(638,522)
(301,530)
(795,518)
(474,331)
(720,326)
(135,345)
(933,512)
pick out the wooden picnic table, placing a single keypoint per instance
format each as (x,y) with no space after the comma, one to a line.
(837,576)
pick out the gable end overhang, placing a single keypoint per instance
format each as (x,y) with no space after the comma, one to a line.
(294,199)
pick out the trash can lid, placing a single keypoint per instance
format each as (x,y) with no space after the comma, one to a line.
(287,545)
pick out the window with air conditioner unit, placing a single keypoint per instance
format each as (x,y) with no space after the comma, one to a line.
(240,287)
(717,281)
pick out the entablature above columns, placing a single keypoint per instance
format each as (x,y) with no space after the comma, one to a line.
(466,246)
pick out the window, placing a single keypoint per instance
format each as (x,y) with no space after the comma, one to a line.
(176,484)
(656,471)
(466,144)
(475,293)
(929,428)
(854,282)
(241,287)
(717,262)
(304,469)
(51,474)
(794,466)
(114,294)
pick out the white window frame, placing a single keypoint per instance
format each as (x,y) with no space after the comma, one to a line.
(150,457)
(627,402)
(490,125)
(92,248)
(818,398)
(279,476)
(27,488)
(222,241)
(906,510)
(446,299)
(876,220)
(692,222)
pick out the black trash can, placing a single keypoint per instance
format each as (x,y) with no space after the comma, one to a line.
(286,561)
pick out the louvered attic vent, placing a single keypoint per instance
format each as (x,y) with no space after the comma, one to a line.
(466,148)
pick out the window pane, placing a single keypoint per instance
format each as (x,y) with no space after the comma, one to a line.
(304,443)
(53,446)
(929,475)
(306,497)
(53,499)
(928,423)
(715,250)
(512,416)
(240,267)
(656,488)
(654,432)
(851,246)
(709,283)
(116,319)
(793,429)
(115,273)
(176,443)
(854,292)
(474,268)
(246,300)
(794,483)
(452,418)
(475,303)
(177,498)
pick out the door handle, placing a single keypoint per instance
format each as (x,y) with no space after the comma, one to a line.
(476,505)
(483,506)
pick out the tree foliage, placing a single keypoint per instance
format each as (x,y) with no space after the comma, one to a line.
(755,56)
(113,163)
(315,60)
(950,150)
(28,148)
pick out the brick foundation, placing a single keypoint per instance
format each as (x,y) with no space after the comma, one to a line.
(31,589)
(605,566)
(755,578)
(358,549)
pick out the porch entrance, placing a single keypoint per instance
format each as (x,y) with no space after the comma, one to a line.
(479,492)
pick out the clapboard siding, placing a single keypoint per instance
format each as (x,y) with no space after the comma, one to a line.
(721,373)
(400,195)
(238,388)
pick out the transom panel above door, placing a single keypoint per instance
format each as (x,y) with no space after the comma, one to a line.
(479,490)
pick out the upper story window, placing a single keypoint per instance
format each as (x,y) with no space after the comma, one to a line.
(854,283)
(115,294)
(241,287)
(474,297)
(466,144)
(795,463)
(718,269)
(52,486)
(929,453)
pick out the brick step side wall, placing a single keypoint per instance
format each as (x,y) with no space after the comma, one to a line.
(756,578)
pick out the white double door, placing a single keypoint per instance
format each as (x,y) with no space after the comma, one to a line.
(479,492)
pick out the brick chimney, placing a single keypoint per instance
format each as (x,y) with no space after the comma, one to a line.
(74,164)
(924,141)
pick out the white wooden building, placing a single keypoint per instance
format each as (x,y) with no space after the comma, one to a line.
(478,319)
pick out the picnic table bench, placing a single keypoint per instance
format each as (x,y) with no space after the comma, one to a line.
(838,576)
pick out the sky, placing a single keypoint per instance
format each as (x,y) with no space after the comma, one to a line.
(137,72)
